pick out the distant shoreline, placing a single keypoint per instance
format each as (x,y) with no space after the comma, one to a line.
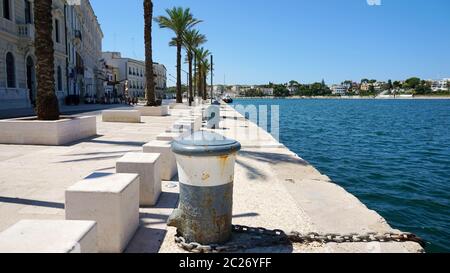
(354,98)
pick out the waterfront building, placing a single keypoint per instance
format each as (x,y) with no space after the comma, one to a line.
(77,51)
(266,91)
(133,74)
(84,51)
(338,89)
(440,85)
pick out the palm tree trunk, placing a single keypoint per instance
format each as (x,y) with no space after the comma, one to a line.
(47,107)
(179,94)
(195,76)
(148,16)
(205,84)
(191,92)
(200,83)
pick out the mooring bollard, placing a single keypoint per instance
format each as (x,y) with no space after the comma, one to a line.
(212,116)
(206,172)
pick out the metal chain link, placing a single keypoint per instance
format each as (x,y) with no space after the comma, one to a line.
(271,238)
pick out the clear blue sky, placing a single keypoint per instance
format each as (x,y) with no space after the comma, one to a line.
(257,41)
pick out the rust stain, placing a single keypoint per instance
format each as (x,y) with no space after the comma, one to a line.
(205,176)
(223,162)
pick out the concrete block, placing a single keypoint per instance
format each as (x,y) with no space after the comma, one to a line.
(168,163)
(168,136)
(125,116)
(29,131)
(148,166)
(41,236)
(183,124)
(179,131)
(157,111)
(112,200)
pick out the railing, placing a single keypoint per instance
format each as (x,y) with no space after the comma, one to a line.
(26,31)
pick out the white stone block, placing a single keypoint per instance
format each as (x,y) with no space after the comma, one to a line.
(42,236)
(148,166)
(29,131)
(168,136)
(184,124)
(125,116)
(168,163)
(112,200)
(150,111)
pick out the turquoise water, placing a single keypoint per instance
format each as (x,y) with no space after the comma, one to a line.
(394,155)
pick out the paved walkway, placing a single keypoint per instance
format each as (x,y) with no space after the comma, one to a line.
(274,188)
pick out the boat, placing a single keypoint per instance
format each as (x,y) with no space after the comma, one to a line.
(227,99)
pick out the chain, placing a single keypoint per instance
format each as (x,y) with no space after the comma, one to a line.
(270,238)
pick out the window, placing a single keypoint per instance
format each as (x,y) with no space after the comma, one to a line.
(28,12)
(6,9)
(10,71)
(58,38)
(59,78)
(129,71)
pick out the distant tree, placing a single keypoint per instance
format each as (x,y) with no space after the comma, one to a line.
(280,91)
(412,83)
(178,20)
(390,85)
(365,81)
(294,83)
(372,81)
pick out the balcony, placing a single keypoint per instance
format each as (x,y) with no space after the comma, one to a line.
(26,31)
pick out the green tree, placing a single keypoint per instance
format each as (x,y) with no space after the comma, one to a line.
(149,74)
(191,40)
(203,66)
(280,91)
(179,20)
(412,83)
(47,107)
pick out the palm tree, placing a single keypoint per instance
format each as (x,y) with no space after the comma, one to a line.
(148,16)
(179,20)
(47,107)
(202,56)
(206,68)
(191,40)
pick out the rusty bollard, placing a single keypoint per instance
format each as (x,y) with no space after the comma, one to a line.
(206,172)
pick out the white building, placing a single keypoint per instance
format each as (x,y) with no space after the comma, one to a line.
(84,49)
(133,74)
(338,89)
(440,85)
(17,56)
(267,91)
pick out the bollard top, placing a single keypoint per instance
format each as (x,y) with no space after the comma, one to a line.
(204,143)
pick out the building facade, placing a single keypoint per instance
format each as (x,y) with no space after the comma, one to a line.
(133,74)
(338,89)
(440,85)
(17,55)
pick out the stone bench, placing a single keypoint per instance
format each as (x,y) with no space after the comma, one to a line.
(125,116)
(168,164)
(41,236)
(148,166)
(112,200)
(157,111)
